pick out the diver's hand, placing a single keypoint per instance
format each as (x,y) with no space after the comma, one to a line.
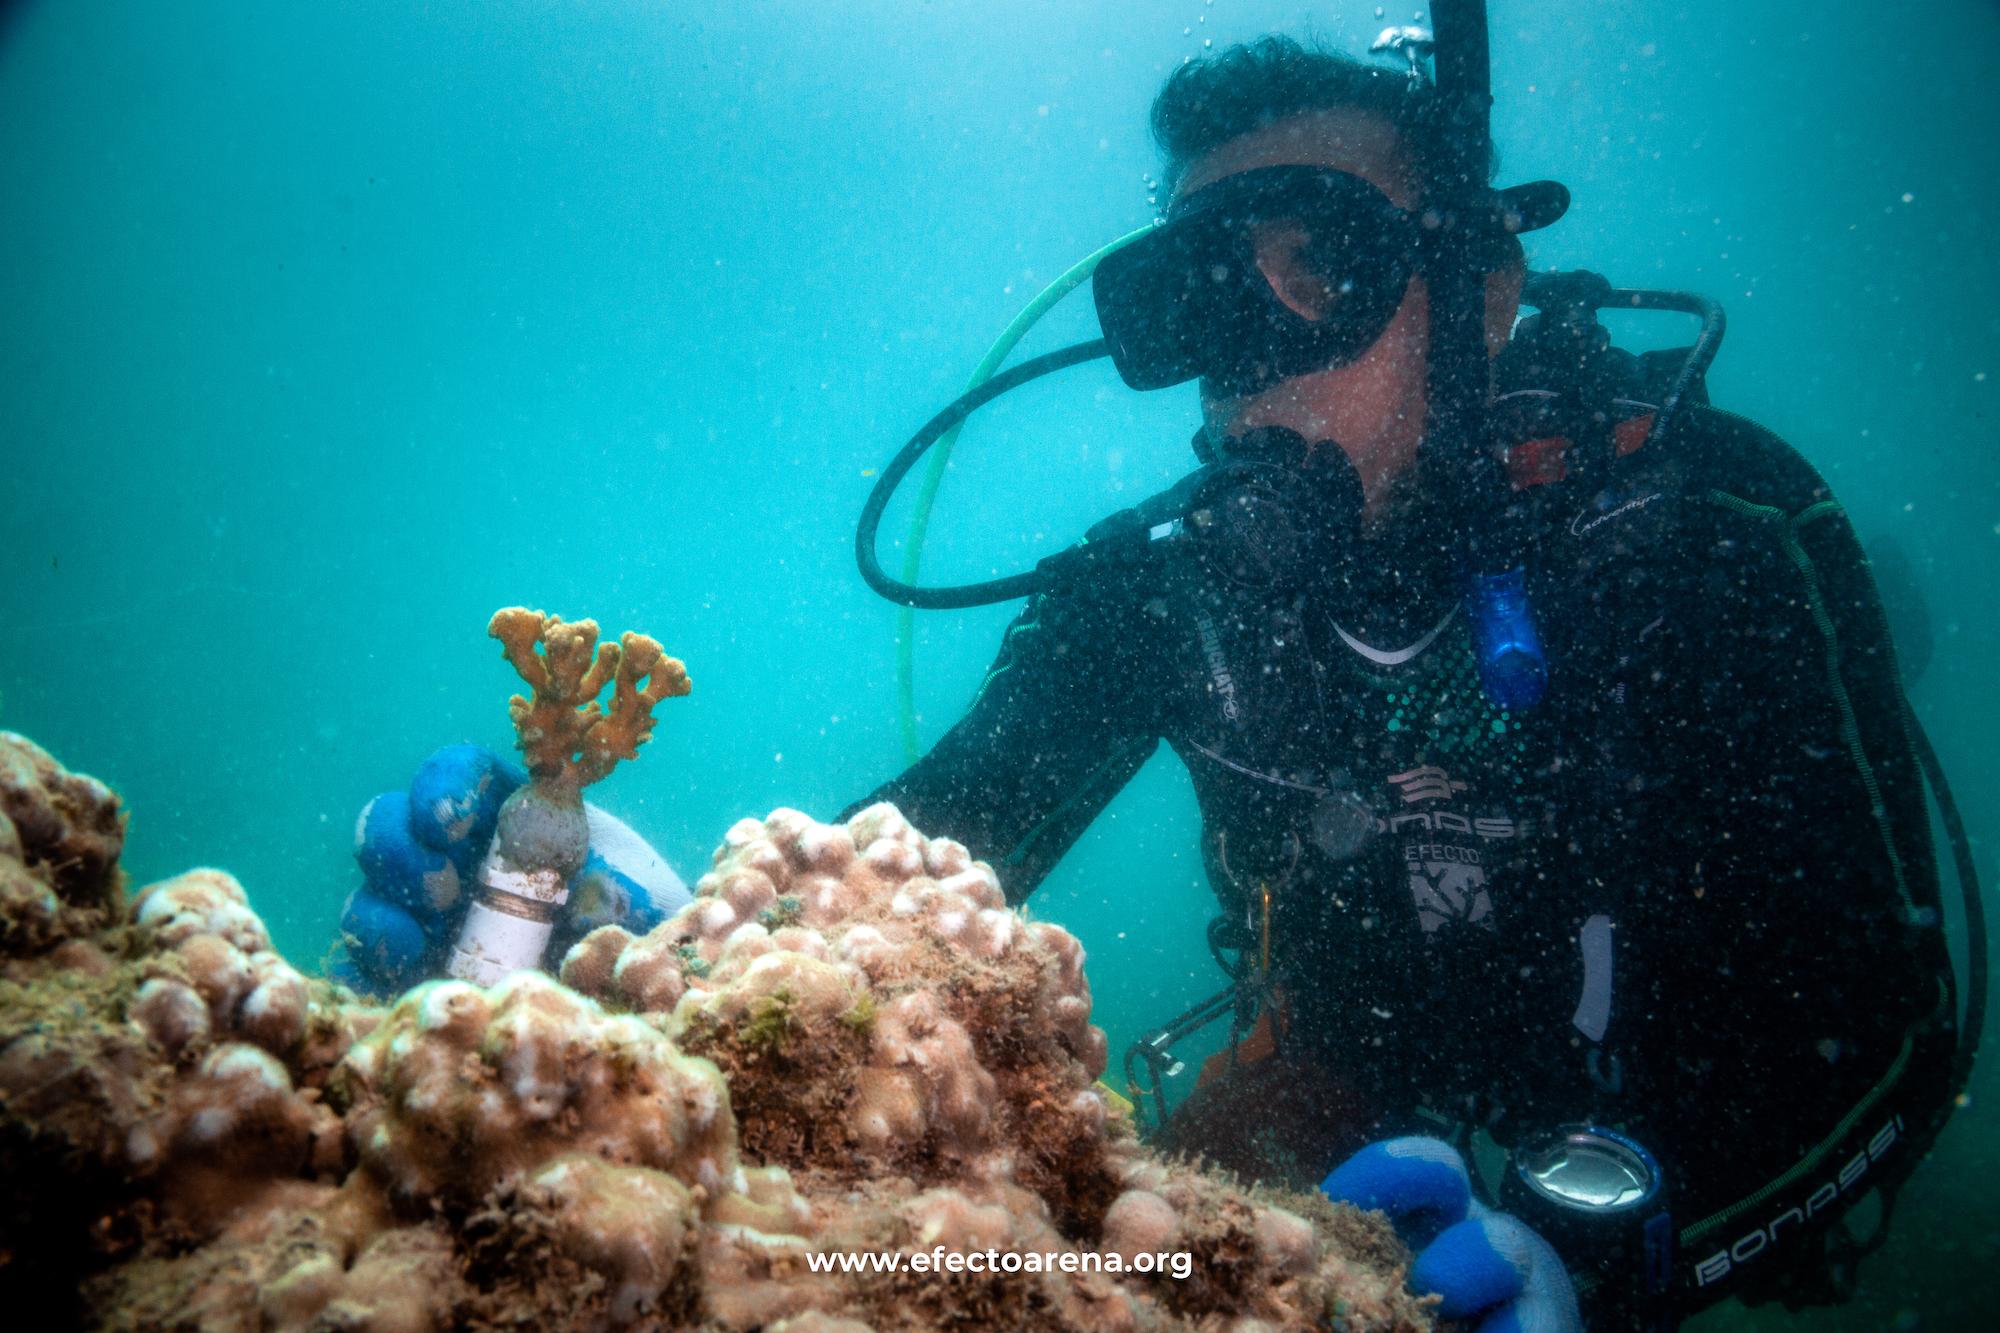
(420,850)
(623,883)
(1484,1265)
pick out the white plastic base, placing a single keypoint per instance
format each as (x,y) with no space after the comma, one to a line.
(493,944)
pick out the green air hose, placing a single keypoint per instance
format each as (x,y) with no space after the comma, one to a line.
(920,517)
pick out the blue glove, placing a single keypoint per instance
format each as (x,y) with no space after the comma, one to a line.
(385,945)
(623,883)
(1483,1264)
(419,852)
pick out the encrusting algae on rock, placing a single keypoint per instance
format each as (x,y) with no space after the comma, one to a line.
(846,1043)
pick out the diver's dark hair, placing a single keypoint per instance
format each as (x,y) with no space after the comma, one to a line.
(1207,102)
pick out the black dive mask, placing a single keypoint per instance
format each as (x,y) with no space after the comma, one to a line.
(1189,300)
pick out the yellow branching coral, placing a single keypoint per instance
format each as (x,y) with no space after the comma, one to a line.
(565,736)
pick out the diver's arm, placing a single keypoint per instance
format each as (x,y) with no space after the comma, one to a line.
(1786,1029)
(1061,722)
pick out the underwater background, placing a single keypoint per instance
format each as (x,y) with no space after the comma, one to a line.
(326,330)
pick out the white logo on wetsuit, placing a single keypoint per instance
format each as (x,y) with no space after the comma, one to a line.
(1220,682)
(1447,879)
(1639,503)
(1449,891)
(1429,783)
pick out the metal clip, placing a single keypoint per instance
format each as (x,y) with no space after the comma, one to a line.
(1411,42)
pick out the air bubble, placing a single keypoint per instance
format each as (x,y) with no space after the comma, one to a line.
(1207,42)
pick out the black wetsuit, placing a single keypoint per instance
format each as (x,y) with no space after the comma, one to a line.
(1690,893)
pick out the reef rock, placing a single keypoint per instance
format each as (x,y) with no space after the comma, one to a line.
(846,1045)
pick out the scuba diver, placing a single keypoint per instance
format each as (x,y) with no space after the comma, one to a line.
(1611,850)
(420,851)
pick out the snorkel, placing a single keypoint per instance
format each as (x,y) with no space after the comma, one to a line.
(1491,526)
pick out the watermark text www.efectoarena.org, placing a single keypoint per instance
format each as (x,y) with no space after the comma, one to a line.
(1167,1263)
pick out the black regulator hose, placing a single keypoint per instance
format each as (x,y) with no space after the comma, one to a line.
(1706,344)
(1555,294)
(965,594)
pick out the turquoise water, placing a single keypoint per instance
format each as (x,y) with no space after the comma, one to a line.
(327,330)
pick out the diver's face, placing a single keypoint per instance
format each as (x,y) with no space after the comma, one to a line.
(1373,405)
